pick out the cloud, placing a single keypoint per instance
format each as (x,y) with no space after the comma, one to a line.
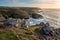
(30,3)
(34,1)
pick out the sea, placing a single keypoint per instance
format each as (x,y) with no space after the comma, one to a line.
(52,16)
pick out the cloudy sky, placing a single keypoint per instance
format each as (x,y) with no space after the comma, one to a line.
(31,3)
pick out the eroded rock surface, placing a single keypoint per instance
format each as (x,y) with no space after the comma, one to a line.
(46,32)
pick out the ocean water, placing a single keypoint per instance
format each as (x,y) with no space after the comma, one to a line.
(35,21)
(50,15)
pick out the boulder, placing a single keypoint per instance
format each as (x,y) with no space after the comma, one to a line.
(25,23)
(46,30)
(36,16)
(42,24)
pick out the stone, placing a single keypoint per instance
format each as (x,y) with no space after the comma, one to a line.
(25,23)
(46,29)
(42,24)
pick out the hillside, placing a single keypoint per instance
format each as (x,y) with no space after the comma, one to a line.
(18,33)
(19,12)
(31,33)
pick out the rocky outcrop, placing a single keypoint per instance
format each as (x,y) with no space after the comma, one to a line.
(46,32)
(36,16)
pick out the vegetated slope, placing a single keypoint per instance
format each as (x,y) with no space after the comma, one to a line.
(25,34)
(18,33)
(18,12)
(7,35)
(31,33)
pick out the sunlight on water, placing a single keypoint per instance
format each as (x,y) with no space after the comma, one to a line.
(35,21)
(52,16)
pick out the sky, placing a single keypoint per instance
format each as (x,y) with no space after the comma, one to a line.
(31,3)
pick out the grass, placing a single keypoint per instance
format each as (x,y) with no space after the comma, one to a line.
(32,28)
(18,34)
(7,35)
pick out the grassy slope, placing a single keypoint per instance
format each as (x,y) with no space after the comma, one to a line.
(18,34)
(7,35)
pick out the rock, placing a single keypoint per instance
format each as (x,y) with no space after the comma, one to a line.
(47,24)
(48,33)
(46,29)
(25,23)
(42,24)
(36,16)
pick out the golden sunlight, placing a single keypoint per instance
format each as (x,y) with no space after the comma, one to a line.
(52,4)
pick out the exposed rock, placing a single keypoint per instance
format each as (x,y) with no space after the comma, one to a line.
(36,16)
(46,29)
(25,23)
(2,19)
(10,21)
(48,33)
(42,24)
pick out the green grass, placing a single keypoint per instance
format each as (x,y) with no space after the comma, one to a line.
(32,28)
(19,33)
(7,35)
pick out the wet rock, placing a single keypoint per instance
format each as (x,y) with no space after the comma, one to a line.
(42,24)
(36,16)
(46,30)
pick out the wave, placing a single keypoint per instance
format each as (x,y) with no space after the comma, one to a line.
(53,17)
